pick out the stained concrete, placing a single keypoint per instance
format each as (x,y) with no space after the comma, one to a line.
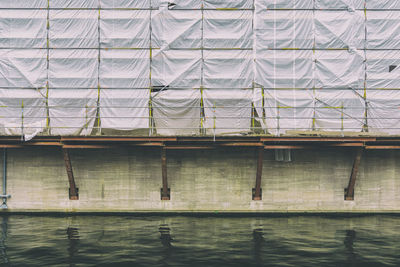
(129,180)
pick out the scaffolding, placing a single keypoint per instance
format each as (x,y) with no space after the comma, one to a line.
(199,67)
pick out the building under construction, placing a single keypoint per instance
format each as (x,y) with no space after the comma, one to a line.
(306,90)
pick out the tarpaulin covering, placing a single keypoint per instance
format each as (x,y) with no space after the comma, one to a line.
(384,111)
(177,68)
(25,68)
(72,111)
(177,112)
(288,110)
(124,109)
(227,113)
(69,68)
(195,67)
(383,69)
(125,28)
(339,69)
(228,69)
(284,29)
(339,110)
(383,29)
(22,112)
(285,68)
(63,32)
(23,28)
(124,69)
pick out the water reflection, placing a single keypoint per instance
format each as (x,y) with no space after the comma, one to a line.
(190,241)
(166,239)
(3,249)
(73,248)
(349,243)
(258,244)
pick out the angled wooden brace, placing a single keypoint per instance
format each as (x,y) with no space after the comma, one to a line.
(349,191)
(73,190)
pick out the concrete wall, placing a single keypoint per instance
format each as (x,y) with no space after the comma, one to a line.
(129,180)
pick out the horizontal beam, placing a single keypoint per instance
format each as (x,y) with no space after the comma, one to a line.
(241,144)
(96,146)
(345,145)
(11,146)
(188,147)
(117,139)
(313,146)
(87,146)
(287,147)
(318,139)
(43,144)
(382,147)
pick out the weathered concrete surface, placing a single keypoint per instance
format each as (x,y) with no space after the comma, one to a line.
(129,180)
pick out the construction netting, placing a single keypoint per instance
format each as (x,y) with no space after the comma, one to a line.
(199,67)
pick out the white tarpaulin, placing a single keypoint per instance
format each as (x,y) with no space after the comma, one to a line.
(383,29)
(339,69)
(228,69)
(384,111)
(288,110)
(383,69)
(22,112)
(25,68)
(23,28)
(124,69)
(176,29)
(339,29)
(284,4)
(339,110)
(125,28)
(227,111)
(72,111)
(383,4)
(124,109)
(240,4)
(349,5)
(126,3)
(285,68)
(23,3)
(177,68)
(177,112)
(73,68)
(284,29)
(228,29)
(74,29)
(74,3)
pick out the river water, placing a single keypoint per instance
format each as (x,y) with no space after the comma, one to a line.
(199,241)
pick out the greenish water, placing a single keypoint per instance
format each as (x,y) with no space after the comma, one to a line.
(199,241)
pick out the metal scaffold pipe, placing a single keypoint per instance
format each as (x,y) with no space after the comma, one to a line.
(4,196)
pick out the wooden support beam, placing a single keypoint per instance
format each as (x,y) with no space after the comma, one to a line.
(382,147)
(165,192)
(180,147)
(317,139)
(288,147)
(349,191)
(88,146)
(241,144)
(73,190)
(117,139)
(257,190)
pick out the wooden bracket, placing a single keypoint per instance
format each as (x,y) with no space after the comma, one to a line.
(257,192)
(165,191)
(349,191)
(73,190)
